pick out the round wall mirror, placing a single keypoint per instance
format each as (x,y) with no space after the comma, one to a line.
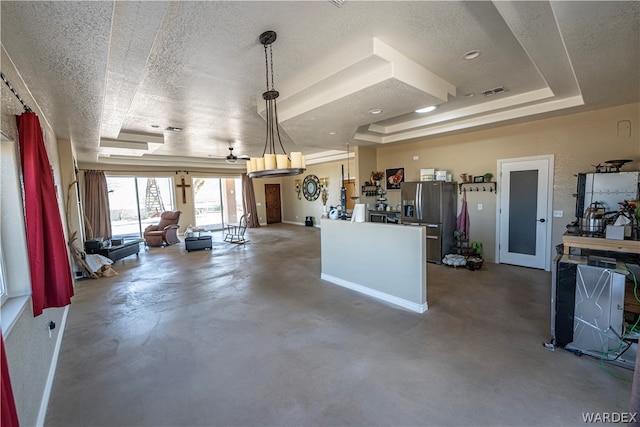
(311,187)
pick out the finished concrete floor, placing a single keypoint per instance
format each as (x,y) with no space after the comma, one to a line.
(250,335)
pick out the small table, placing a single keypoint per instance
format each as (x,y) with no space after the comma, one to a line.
(117,252)
(198,243)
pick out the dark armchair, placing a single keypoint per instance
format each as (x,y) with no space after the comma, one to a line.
(164,233)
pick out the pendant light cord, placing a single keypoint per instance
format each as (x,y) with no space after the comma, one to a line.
(271,105)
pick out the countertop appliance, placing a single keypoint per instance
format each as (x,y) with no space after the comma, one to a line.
(432,204)
(607,189)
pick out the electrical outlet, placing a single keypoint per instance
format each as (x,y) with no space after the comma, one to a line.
(558,214)
(416,157)
(480,207)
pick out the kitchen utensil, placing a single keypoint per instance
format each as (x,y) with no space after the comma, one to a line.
(593,221)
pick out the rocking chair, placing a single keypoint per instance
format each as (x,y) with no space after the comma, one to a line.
(235,233)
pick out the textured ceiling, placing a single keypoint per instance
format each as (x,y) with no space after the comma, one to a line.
(105,72)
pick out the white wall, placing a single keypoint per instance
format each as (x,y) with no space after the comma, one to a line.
(577,142)
(382,260)
(31,352)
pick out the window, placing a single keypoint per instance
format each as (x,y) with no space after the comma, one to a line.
(136,202)
(15,285)
(218,201)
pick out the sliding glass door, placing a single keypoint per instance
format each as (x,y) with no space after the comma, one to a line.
(218,201)
(136,202)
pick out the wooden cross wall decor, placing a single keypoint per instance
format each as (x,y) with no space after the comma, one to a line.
(184,189)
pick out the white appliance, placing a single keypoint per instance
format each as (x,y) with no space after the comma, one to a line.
(607,189)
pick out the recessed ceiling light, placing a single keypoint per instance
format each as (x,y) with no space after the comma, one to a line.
(155,126)
(375,111)
(467,95)
(472,54)
(332,133)
(426,109)
(173,129)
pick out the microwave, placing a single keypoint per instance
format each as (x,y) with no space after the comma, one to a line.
(377,217)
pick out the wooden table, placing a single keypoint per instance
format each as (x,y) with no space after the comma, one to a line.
(599,243)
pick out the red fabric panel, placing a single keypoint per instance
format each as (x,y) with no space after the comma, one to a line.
(8,414)
(51,281)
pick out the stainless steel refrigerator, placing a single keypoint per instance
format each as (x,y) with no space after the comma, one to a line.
(432,204)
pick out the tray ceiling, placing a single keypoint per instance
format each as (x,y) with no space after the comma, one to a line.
(113,76)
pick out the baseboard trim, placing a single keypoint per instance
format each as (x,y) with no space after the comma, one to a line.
(409,305)
(44,403)
(300,223)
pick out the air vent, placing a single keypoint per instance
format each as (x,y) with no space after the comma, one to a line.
(492,92)
(337,3)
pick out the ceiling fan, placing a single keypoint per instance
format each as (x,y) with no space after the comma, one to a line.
(232,158)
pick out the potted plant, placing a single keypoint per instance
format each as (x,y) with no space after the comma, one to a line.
(488,177)
(376,177)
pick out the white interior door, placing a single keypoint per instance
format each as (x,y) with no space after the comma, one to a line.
(524,217)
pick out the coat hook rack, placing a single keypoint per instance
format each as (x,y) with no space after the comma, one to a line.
(470,186)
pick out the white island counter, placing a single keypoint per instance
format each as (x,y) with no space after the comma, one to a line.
(384,261)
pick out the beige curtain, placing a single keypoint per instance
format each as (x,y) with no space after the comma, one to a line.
(249,201)
(97,221)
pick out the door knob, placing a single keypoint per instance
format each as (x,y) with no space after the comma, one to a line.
(542,220)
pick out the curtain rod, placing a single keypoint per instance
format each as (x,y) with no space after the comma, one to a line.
(161,171)
(24,104)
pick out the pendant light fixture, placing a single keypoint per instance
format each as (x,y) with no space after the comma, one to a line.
(272,164)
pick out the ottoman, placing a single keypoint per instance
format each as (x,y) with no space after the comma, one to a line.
(197,243)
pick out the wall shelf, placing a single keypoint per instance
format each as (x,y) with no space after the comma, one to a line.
(478,186)
(370,190)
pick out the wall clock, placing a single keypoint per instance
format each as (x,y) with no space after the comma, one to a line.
(311,187)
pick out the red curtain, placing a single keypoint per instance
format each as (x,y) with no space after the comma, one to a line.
(8,414)
(51,281)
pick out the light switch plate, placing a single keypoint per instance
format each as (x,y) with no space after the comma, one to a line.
(480,207)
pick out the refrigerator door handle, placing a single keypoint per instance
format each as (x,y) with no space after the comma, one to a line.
(417,197)
(433,237)
(419,201)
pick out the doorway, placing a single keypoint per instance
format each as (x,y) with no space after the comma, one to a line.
(523,230)
(136,202)
(217,201)
(272,203)
(350,186)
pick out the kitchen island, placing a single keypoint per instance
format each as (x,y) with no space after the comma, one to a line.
(384,261)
